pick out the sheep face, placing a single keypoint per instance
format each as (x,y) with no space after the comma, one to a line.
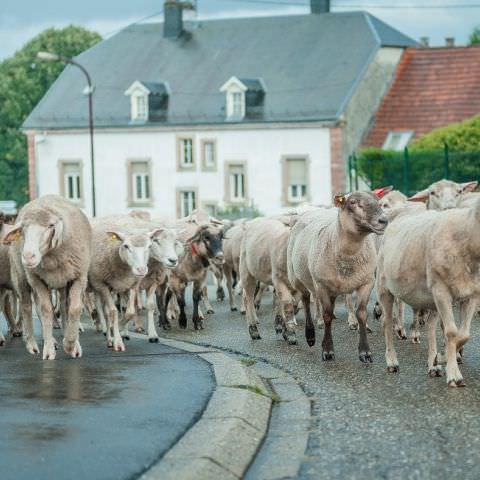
(164,247)
(134,250)
(392,200)
(41,233)
(208,241)
(362,212)
(444,194)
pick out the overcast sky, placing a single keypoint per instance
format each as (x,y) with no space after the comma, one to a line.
(20,20)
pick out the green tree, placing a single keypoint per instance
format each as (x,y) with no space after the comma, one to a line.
(474,38)
(24,80)
(463,136)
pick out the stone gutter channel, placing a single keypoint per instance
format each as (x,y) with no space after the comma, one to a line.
(255,425)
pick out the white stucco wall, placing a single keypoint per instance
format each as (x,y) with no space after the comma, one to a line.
(261,148)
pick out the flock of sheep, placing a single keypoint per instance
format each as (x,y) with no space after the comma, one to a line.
(425,254)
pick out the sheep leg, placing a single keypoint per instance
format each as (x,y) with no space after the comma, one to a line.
(279,327)
(114,338)
(10,312)
(309,325)
(101,324)
(228,272)
(249,286)
(318,314)
(467,311)
(151,305)
(218,273)
(387,300)
(205,301)
(43,301)
(58,315)
(399,320)
(71,342)
(443,302)
(363,295)
(414,330)
(234,278)
(182,319)
(328,304)
(434,369)
(259,291)
(27,322)
(285,300)
(197,297)
(162,296)
(352,319)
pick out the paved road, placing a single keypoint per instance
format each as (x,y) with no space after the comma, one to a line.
(105,416)
(367,423)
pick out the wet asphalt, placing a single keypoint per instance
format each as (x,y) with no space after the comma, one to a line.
(106,416)
(366,423)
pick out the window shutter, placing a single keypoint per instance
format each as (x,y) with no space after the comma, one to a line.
(297,174)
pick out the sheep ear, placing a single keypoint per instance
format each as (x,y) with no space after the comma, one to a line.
(468,186)
(339,201)
(419,196)
(381,192)
(12,233)
(116,236)
(156,233)
(57,236)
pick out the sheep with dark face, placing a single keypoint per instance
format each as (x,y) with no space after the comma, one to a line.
(332,252)
(51,249)
(203,245)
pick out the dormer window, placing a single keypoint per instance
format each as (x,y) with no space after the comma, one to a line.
(148,101)
(244,98)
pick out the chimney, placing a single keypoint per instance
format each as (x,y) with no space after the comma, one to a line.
(173,13)
(449,41)
(424,42)
(320,6)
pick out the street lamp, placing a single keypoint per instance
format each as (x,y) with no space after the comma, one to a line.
(53,57)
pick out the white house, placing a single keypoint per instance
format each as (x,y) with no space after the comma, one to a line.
(215,113)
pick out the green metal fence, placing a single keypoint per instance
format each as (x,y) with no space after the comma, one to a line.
(411,171)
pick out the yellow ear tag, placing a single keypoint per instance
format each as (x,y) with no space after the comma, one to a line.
(18,236)
(112,238)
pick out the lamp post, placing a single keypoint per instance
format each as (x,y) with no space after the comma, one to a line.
(53,57)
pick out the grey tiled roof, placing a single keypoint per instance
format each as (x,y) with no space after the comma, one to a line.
(309,65)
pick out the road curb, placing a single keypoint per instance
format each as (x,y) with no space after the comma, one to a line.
(226,438)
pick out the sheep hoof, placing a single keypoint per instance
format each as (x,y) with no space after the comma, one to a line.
(17,334)
(292,340)
(139,330)
(278,329)
(353,326)
(369,330)
(401,333)
(456,383)
(126,337)
(416,339)
(153,340)
(257,306)
(210,311)
(393,369)
(220,295)
(253,331)
(198,324)
(243,312)
(2,342)
(166,325)
(435,371)
(365,357)
(233,309)
(328,356)
(310,337)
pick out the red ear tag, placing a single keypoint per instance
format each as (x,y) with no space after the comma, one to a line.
(194,249)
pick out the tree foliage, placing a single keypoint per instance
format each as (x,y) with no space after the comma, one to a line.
(474,38)
(24,80)
(464,136)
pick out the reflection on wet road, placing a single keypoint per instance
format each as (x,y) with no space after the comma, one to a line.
(105,416)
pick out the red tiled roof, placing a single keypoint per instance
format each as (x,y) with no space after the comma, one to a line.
(433,87)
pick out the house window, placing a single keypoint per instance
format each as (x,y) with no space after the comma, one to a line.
(186,158)
(211,208)
(209,155)
(295,180)
(72,186)
(237,98)
(236,183)
(140,187)
(188,202)
(397,140)
(141,104)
